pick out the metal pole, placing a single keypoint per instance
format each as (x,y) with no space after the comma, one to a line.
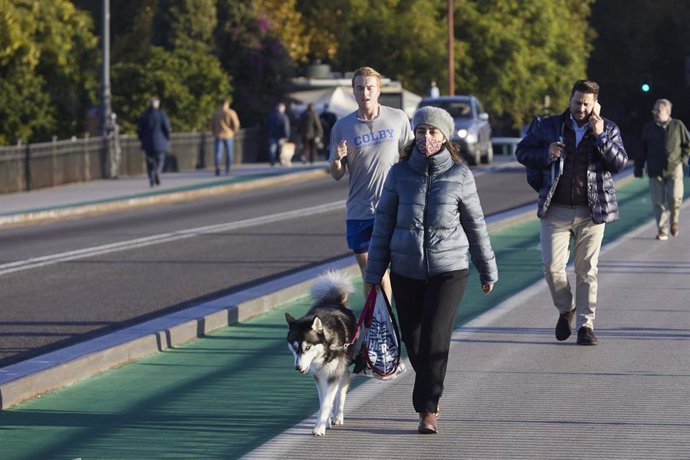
(451,49)
(106,127)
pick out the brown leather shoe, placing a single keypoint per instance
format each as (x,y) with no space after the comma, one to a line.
(563,325)
(675,230)
(585,336)
(427,423)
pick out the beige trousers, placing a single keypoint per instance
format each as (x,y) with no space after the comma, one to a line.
(667,197)
(560,226)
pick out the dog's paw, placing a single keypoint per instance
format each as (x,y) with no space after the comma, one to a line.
(319,430)
(338,420)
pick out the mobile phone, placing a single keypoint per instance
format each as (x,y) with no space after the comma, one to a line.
(596,110)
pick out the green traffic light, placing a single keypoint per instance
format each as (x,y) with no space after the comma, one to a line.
(645,88)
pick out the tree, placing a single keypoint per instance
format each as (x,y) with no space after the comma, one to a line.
(503,48)
(405,40)
(515,54)
(44,49)
(179,23)
(249,46)
(512,54)
(173,61)
(188,84)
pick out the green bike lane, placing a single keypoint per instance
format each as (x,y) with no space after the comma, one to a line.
(225,394)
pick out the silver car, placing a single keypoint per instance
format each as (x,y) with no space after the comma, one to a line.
(472,128)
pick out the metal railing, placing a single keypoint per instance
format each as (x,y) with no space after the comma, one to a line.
(27,167)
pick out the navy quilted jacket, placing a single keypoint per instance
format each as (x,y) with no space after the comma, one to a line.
(607,157)
(427,219)
(153,129)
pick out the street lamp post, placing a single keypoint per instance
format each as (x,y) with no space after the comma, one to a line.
(107,128)
(451,49)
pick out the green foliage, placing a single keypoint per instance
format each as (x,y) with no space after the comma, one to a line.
(178,23)
(503,48)
(171,42)
(403,39)
(44,49)
(515,54)
(189,84)
(249,47)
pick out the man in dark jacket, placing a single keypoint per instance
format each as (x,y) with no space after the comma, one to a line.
(311,133)
(577,152)
(153,130)
(665,147)
(328,119)
(278,127)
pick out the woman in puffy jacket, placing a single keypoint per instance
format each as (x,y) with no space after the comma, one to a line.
(427,220)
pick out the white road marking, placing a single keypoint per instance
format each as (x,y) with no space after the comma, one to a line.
(35,262)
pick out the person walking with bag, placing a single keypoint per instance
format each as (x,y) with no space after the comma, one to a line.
(427,220)
(278,127)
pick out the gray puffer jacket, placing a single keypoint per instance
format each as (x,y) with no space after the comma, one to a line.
(427,219)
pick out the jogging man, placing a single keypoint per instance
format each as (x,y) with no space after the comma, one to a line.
(367,143)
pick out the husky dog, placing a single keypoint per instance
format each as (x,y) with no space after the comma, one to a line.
(319,341)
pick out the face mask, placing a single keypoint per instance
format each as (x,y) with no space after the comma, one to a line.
(428,145)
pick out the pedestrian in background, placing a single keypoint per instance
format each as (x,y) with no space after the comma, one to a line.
(367,142)
(311,133)
(665,147)
(577,152)
(225,124)
(153,130)
(278,127)
(328,120)
(427,220)
(433,90)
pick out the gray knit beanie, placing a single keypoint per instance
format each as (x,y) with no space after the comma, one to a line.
(436,117)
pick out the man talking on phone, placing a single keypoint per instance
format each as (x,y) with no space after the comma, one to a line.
(578,152)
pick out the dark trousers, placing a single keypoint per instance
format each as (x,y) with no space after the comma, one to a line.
(426,313)
(155,161)
(309,149)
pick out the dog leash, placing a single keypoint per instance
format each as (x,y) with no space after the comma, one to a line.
(364,318)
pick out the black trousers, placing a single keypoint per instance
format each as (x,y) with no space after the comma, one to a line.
(309,149)
(155,161)
(426,313)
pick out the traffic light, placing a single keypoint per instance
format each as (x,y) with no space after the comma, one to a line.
(645,82)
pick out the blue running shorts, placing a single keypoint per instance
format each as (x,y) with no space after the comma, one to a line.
(359,234)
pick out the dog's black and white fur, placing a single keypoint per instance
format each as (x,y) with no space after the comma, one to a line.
(319,339)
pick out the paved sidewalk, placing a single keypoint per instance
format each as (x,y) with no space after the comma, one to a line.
(512,390)
(111,194)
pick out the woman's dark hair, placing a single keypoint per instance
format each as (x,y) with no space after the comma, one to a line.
(452,147)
